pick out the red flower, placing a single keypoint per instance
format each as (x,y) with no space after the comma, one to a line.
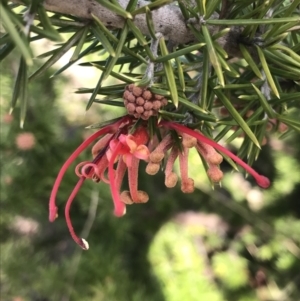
(124,144)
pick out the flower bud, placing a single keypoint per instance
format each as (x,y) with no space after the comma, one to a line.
(137,91)
(140,101)
(139,109)
(147,95)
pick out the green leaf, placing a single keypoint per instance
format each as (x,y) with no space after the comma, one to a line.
(116,9)
(23,93)
(201,7)
(111,37)
(140,37)
(19,39)
(169,73)
(267,71)
(274,31)
(154,5)
(204,84)
(264,103)
(57,55)
(213,55)
(100,36)
(131,5)
(250,61)
(288,120)
(180,74)
(48,28)
(113,103)
(90,48)
(240,22)
(17,86)
(237,117)
(289,51)
(117,75)
(196,110)
(96,89)
(103,124)
(150,23)
(80,44)
(178,53)
(287,58)
(118,51)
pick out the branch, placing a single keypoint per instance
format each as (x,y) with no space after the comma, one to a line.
(167,20)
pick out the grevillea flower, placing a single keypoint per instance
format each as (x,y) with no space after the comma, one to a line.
(116,146)
(121,147)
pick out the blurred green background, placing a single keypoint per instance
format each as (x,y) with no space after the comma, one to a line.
(235,242)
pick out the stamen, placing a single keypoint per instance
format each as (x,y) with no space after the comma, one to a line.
(80,241)
(262,181)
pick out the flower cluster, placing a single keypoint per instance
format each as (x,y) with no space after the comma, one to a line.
(120,148)
(142,103)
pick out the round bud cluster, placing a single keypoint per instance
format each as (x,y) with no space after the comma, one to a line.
(142,103)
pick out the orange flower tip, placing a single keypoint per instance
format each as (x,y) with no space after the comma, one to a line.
(156,157)
(126,197)
(188,186)
(171,180)
(189,142)
(263,181)
(152,168)
(215,174)
(143,197)
(84,244)
(215,159)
